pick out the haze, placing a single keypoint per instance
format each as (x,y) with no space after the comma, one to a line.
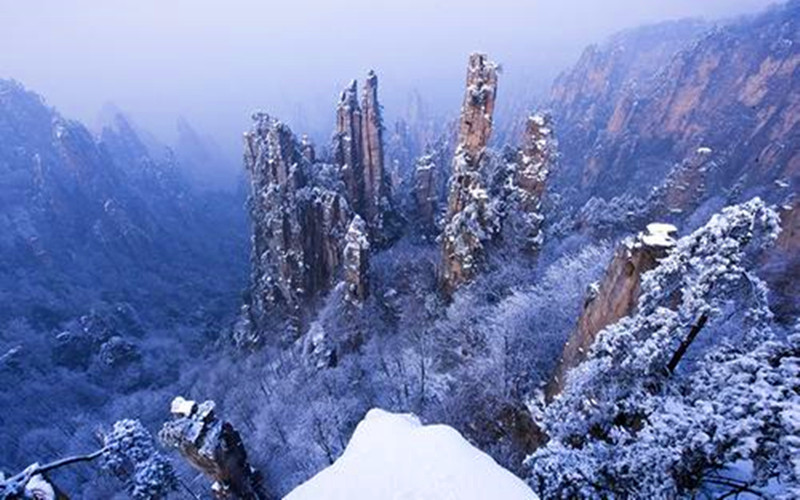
(216,62)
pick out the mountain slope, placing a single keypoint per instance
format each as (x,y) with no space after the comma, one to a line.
(735,91)
(86,220)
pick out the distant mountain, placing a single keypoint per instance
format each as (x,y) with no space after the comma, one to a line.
(86,220)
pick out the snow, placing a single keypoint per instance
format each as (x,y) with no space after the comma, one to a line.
(659,235)
(394,456)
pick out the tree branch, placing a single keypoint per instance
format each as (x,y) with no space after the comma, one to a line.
(685,343)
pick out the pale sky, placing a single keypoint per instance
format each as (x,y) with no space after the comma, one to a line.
(214,62)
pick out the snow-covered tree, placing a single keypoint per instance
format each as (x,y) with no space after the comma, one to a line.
(129,453)
(640,419)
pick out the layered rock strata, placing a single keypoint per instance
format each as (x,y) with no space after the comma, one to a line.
(359,152)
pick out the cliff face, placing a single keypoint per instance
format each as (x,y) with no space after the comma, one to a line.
(299,221)
(314,218)
(526,184)
(780,267)
(734,91)
(477,111)
(347,145)
(359,151)
(468,219)
(615,297)
(426,193)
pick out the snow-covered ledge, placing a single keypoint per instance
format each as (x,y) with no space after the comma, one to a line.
(394,456)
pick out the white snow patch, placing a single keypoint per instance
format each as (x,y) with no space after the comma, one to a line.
(393,456)
(659,235)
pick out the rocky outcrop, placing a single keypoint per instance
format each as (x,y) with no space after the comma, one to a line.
(301,207)
(347,146)
(426,193)
(359,151)
(526,184)
(733,90)
(356,261)
(214,447)
(477,111)
(615,297)
(299,220)
(376,192)
(469,221)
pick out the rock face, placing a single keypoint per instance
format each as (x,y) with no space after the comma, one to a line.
(376,192)
(468,221)
(359,151)
(348,151)
(302,206)
(781,266)
(214,447)
(356,261)
(426,195)
(614,298)
(477,111)
(527,181)
(299,215)
(735,91)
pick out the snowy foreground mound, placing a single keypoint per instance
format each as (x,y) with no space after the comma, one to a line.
(393,456)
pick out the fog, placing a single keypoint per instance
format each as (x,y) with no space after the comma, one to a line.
(215,62)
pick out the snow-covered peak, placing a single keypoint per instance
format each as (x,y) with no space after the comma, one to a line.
(394,456)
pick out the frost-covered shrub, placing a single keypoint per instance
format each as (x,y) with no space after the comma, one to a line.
(131,455)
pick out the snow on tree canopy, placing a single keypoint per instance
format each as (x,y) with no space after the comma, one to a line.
(630,423)
(393,456)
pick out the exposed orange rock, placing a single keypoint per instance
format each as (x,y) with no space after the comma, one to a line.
(467,222)
(478,107)
(614,298)
(359,152)
(347,145)
(376,189)
(733,89)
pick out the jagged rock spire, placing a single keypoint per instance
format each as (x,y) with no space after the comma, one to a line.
(348,145)
(298,226)
(478,107)
(534,161)
(376,189)
(356,261)
(469,219)
(359,152)
(426,193)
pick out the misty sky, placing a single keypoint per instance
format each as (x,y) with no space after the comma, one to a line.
(214,62)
